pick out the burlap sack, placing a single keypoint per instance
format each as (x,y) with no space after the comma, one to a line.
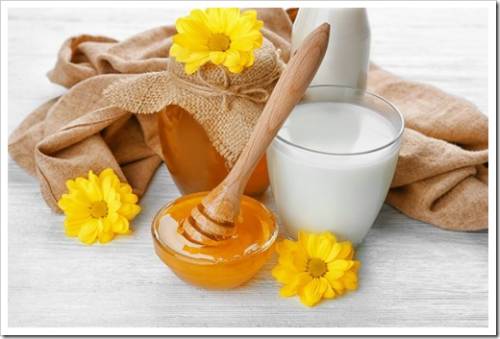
(441,176)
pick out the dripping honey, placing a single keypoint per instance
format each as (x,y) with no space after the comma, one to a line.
(192,160)
(224,266)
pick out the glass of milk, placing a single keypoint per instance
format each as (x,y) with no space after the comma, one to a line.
(332,162)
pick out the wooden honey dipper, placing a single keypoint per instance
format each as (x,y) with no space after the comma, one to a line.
(213,220)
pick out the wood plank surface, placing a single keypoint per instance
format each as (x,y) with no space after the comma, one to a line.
(413,274)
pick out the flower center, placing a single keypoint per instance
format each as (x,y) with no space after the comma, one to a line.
(316,267)
(99,209)
(219,42)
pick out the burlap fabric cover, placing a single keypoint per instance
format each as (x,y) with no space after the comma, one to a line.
(225,104)
(441,177)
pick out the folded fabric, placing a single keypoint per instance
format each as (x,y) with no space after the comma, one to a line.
(442,171)
(441,177)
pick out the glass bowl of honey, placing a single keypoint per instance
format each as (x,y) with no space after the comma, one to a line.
(227,265)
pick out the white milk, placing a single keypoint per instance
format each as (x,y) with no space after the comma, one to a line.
(344,192)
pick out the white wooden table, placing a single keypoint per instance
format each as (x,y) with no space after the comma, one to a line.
(413,274)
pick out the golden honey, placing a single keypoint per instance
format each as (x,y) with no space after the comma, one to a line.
(224,266)
(193,162)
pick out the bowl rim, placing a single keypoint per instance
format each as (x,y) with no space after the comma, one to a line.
(266,246)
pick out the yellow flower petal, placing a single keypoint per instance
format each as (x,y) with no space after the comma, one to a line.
(72,226)
(350,280)
(192,67)
(312,245)
(126,194)
(338,287)
(312,293)
(236,69)
(329,293)
(334,252)
(192,26)
(105,233)
(121,225)
(251,15)
(244,45)
(190,42)
(356,265)
(215,19)
(113,202)
(251,60)
(94,191)
(217,57)
(300,260)
(303,238)
(347,251)
(108,184)
(283,274)
(68,202)
(233,58)
(323,249)
(129,211)
(340,265)
(232,17)
(333,275)
(88,233)
(179,53)
(295,285)
(105,237)
(285,246)
(78,191)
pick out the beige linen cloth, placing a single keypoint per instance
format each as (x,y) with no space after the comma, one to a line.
(441,177)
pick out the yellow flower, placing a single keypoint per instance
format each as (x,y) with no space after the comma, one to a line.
(219,35)
(99,207)
(315,267)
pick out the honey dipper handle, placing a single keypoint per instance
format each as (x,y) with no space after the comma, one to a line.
(288,91)
(222,203)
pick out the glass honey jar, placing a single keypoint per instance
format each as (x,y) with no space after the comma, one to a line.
(192,160)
